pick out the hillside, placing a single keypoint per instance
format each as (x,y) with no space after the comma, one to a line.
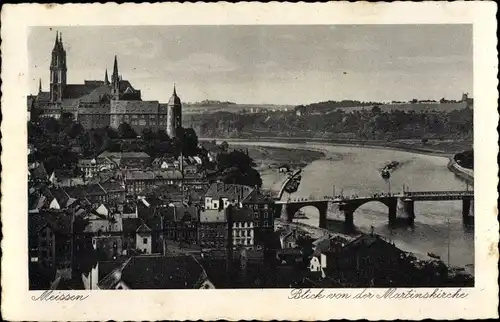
(407,107)
(203,108)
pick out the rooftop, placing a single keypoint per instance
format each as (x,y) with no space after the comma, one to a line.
(229,191)
(155,272)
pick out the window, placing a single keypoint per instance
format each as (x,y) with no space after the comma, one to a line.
(144,240)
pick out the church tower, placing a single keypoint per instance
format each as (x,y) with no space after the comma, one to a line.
(115,81)
(58,70)
(174,114)
(106,79)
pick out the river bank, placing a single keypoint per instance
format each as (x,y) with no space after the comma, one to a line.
(444,148)
(464,174)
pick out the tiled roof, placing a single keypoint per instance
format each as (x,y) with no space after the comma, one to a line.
(168,174)
(112,186)
(229,191)
(130,225)
(177,213)
(258,197)
(124,155)
(139,175)
(59,222)
(61,196)
(100,94)
(148,272)
(39,172)
(94,189)
(77,192)
(143,228)
(43,97)
(78,90)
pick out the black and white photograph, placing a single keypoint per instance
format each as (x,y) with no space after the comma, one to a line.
(198,157)
(249,161)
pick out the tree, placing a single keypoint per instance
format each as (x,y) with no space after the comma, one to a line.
(125,131)
(376,110)
(148,135)
(189,142)
(224,146)
(237,167)
(75,130)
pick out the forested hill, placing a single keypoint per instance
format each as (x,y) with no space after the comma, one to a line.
(371,123)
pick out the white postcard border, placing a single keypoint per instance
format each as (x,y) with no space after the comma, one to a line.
(17,303)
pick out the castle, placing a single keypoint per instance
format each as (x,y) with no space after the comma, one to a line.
(100,103)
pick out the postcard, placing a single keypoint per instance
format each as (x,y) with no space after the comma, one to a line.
(282,161)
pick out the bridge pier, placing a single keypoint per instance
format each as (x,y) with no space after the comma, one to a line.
(349,220)
(392,213)
(405,211)
(467,211)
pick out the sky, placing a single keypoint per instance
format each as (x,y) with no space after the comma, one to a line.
(293,65)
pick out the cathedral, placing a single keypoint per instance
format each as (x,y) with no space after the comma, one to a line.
(100,103)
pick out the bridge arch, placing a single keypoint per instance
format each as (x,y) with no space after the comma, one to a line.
(290,209)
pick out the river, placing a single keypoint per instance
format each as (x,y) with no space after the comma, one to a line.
(356,170)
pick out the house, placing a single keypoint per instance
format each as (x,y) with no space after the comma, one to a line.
(111,246)
(163,163)
(318,264)
(88,167)
(288,239)
(196,181)
(128,210)
(154,272)
(215,230)
(263,215)
(290,256)
(220,195)
(96,194)
(243,228)
(169,193)
(136,181)
(128,160)
(144,239)
(129,234)
(115,191)
(37,172)
(98,223)
(367,261)
(65,178)
(50,242)
(178,223)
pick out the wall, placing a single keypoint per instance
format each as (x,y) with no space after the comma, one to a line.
(141,246)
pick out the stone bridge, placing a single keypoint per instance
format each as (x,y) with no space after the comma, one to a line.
(400,207)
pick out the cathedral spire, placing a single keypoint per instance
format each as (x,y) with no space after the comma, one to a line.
(57,40)
(40,85)
(115,76)
(175,92)
(60,40)
(106,80)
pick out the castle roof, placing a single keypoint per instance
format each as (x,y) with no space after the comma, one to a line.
(174,99)
(78,90)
